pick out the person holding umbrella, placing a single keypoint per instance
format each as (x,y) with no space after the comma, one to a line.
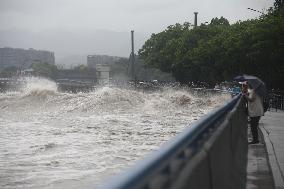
(254,97)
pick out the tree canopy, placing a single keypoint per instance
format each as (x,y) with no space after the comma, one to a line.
(44,69)
(219,51)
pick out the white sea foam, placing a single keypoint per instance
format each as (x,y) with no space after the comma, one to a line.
(38,86)
(57,140)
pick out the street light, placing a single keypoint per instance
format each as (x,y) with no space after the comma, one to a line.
(256,11)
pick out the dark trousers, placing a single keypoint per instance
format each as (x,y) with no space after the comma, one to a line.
(254,127)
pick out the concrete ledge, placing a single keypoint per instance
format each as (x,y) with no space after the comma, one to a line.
(274,164)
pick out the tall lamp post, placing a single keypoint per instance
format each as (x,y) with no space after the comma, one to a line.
(195,19)
(132,56)
(256,11)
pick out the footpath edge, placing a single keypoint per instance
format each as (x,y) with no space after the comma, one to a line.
(272,159)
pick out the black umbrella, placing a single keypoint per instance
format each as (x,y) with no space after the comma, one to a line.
(254,82)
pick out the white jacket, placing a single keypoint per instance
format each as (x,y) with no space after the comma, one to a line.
(255,106)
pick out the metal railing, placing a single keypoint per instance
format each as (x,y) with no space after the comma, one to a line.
(211,153)
(275,101)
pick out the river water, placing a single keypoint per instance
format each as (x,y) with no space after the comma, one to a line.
(50,139)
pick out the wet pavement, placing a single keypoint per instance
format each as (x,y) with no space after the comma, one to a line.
(272,127)
(266,159)
(259,175)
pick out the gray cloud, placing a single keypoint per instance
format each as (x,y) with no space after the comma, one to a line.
(81,20)
(118,14)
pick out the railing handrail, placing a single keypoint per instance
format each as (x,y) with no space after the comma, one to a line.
(156,161)
(275,100)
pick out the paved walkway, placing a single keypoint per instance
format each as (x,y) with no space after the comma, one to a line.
(272,127)
(259,174)
(266,159)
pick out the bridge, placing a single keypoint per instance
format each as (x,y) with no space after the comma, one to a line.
(213,153)
(62,84)
(74,85)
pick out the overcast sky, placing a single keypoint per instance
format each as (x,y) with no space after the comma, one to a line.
(143,16)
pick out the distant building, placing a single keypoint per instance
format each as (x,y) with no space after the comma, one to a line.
(102,72)
(94,60)
(23,59)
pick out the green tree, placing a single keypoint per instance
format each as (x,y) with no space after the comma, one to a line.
(9,71)
(278,4)
(44,69)
(81,67)
(220,51)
